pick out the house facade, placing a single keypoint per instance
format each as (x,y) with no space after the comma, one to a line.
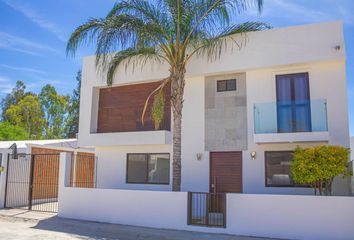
(244,113)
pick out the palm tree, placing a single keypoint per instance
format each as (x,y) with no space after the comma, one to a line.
(169,31)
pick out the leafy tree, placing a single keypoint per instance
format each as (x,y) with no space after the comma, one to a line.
(29,115)
(169,31)
(318,166)
(16,95)
(55,108)
(72,123)
(12,132)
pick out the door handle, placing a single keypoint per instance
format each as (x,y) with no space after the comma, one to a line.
(213,185)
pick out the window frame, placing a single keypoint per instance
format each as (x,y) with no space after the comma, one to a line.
(293,105)
(147,155)
(279,186)
(226,87)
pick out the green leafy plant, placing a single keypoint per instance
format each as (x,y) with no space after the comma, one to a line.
(318,166)
(158,109)
(12,132)
(29,115)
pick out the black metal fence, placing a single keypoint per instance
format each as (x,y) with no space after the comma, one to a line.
(207,209)
(32,182)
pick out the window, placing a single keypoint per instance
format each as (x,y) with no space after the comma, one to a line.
(226,85)
(277,167)
(148,168)
(293,103)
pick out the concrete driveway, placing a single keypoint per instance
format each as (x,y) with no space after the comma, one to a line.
(21,224)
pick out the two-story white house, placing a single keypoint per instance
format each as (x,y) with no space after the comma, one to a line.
(243,114)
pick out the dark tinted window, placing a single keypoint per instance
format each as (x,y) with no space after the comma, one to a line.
(278,169)
(226,85)
(148,168)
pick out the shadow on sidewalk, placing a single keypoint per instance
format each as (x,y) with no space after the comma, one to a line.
(101,231)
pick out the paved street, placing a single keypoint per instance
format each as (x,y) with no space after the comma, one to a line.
(21,224)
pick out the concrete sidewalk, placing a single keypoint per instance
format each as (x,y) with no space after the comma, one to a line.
(15,224)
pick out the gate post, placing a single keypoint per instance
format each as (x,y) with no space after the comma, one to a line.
(3,176)
(30,186)
(64,175)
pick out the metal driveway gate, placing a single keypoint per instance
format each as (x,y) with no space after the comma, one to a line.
(207,209)
(32,182)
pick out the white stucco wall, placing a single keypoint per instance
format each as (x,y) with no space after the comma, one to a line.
(290,217)
(264,49)
(308,48)
(275,216)
(260,88)
(327,81)
(111,168)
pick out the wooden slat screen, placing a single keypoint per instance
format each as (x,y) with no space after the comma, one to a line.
(120,108)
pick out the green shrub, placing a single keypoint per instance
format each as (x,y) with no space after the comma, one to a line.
(318,166)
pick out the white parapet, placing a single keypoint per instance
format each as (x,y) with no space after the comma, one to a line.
(126,138)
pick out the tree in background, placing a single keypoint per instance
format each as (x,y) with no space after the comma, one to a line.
(12,132)
(72,123)
(318,166)
(13,98)
(55,108)
(29,115)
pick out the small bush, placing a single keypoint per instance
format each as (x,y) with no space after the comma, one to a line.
(318,166)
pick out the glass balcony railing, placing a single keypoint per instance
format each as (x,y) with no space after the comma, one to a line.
(291,116)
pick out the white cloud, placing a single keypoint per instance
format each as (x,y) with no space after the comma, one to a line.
(4,79)
(37,18)
(301,11)
(5,85)
(22,51)
(5,88)
(23,69)
(19,44)
(297,11)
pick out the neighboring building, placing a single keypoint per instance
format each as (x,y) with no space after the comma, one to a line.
(242,117)
(35,167)
(23,146)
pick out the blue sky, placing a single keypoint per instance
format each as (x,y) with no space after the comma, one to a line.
(33,36)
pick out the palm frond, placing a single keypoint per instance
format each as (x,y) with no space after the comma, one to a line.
(140,55)
(211,15)
(213,46)
(164,82)
(144,10)
(124,32)
(82,34)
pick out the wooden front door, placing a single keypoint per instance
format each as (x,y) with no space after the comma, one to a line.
(226,172)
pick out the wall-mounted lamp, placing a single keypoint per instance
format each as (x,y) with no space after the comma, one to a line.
(253,155)
(199,156)
(337,48)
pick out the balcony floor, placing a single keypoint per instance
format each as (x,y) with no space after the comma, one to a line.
(297,137)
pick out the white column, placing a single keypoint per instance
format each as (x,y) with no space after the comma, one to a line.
(3,177)
(74,169)
(64,175)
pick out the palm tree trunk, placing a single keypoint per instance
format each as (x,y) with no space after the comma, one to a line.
(177,90)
